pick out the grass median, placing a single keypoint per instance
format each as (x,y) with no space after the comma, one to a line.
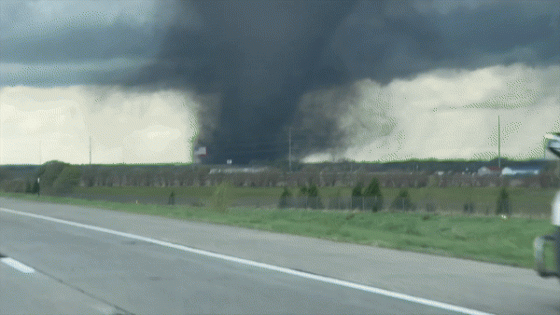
(485,238)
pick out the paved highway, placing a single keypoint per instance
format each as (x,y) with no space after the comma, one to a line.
(97,261)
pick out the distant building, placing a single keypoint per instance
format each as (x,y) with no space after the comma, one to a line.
(199,154)
(521,171)
(234,170)
(489,170)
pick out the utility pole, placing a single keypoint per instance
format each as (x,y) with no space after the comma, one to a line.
(89,150)
(290,148)
(499,144)
(544,150)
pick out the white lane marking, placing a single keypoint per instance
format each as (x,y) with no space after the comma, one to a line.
(17,265)
(396,295)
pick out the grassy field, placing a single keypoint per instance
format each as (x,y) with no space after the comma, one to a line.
(525,201)
(491,238)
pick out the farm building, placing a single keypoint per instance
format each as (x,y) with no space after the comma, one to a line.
(489,170)
(521,171)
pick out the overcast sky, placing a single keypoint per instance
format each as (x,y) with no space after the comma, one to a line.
(364,80)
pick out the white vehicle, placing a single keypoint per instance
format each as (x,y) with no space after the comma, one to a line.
(554,147)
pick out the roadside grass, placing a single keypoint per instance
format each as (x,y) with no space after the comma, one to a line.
(525,201)
(483,238)
(450,194)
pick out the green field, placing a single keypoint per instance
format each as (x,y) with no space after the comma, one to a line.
(524,201)
(485,238)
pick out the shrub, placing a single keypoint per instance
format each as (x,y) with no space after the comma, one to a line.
(35,188)
(402,202)
(430,206)
(468,208)
(14,185)
(171,199)
(285,199)
(503,205)
(49,172)
(336,201)
(221,199)
(313,198)
(374,198)
(67,180)
(28,187)
(357,197)
(302,197)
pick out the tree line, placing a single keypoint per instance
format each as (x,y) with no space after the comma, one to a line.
(22,179)
(370,198)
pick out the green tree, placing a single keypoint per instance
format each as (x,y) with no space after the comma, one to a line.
(48,173)
(336,202)
(285,199)
(302,197)
(171,199)
(468,207)
(28,187)
(402,202)
(35,189)
(67,180)
(313,198)
(373,196)
(221,199)
(503,205)
(357,201)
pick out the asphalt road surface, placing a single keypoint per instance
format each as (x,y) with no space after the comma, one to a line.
(67,260)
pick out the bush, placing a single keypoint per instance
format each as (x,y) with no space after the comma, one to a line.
(49,172)
(373,196)
(285,199)
(301,199)
(313,198)
(357,197)
(171,199)
(67,180)
(402,202)
(503,205)
(336,201)
(221,199)
(35,188)
(430,206)
(468,208)
(308,197)
(15,186)
(28,186)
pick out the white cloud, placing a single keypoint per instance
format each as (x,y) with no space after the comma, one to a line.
(156,143)
(454,114)
(41,124)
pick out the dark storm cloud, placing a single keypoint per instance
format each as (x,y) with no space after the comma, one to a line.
(78,45)
(260,57)
(399,40)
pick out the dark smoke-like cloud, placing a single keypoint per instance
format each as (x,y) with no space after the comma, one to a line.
(408,37)
(256,59)
(261,57)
